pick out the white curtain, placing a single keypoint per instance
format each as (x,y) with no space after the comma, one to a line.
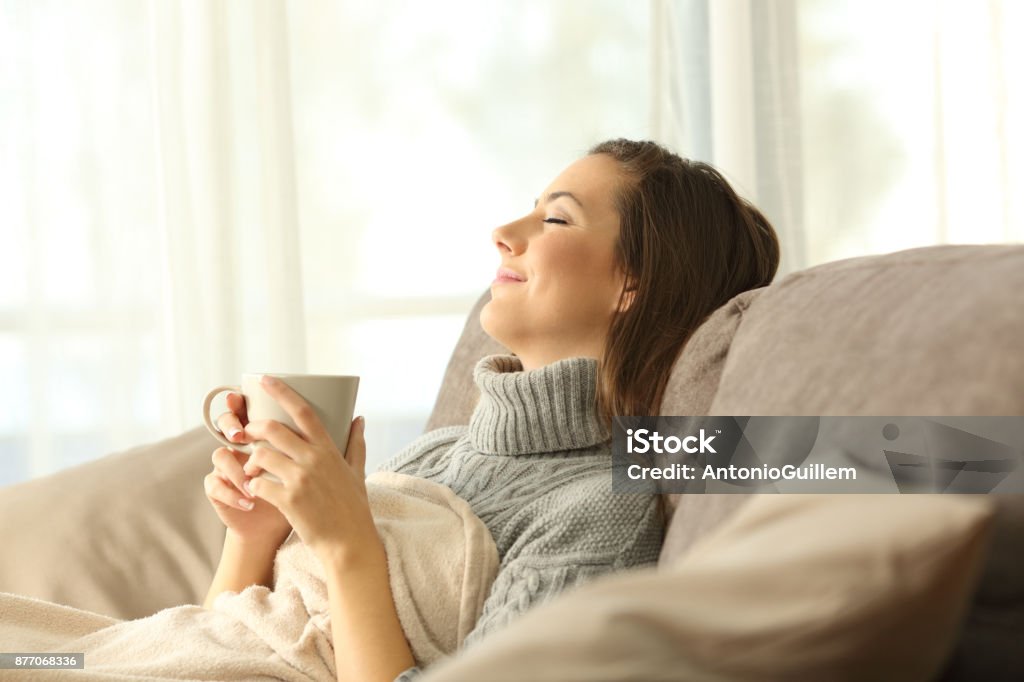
(227,211)
(193,189)
(858,127)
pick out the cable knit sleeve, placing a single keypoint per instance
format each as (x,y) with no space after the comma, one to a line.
(524,584)
(571,537)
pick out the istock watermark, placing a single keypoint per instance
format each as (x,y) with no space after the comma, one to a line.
(831,454)
(646,441)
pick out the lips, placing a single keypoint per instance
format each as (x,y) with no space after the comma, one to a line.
(508,275)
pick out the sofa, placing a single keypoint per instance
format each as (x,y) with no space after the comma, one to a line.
(934,584)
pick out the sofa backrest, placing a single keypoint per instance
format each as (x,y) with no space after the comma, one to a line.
(933,330)
(928,331)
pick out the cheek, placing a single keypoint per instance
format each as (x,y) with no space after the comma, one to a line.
(582,268)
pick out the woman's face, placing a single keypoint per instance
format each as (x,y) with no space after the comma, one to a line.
(564,253)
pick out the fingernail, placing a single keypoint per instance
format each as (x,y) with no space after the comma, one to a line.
(268,380)
(233,432)
(248,490)
(247,504)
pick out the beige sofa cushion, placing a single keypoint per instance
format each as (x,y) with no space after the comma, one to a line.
(928,331)
(791,587)
(693,384)
(691,389)
(124,536)
(935,330)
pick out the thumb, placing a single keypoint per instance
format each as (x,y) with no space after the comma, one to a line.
(355,452)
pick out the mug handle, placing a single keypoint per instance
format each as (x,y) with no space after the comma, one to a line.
(212,428)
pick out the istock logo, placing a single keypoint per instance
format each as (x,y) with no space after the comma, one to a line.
(648,441)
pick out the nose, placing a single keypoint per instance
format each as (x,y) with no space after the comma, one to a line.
(510,237)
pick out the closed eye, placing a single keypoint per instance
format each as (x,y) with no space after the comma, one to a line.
(556,220)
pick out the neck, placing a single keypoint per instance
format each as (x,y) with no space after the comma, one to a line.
(535,358)
(551,408)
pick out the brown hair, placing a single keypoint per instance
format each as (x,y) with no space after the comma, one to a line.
(687,244)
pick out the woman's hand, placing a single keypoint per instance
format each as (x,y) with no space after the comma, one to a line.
(262,524)
(322,494)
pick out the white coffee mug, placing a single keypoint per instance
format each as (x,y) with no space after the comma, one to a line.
(332,397)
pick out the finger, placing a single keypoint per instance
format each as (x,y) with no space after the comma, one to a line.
(268,490)
(281,436)
(277,463)
(230,426)
(355,451)
(236,403)
(222,491)
(226,463)
(301,412)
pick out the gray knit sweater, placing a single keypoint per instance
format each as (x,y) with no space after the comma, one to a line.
(534,464)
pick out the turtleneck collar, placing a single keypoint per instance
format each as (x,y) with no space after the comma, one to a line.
(547,409)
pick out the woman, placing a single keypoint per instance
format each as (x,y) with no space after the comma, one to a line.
(625,253)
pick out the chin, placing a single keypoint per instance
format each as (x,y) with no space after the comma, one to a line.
(490,322)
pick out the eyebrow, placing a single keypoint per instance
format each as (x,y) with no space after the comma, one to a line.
(555,195)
